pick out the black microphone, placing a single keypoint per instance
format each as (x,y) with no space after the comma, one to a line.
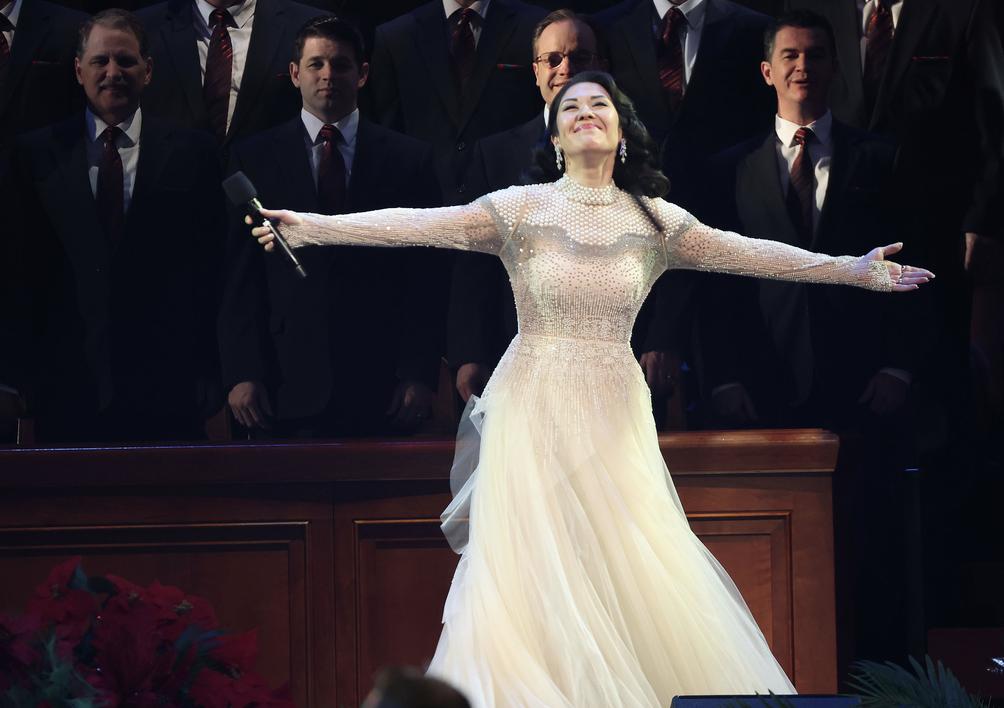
(241,192)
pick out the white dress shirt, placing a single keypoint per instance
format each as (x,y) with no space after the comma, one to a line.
(820,152)
(866,8)
(240,38)
(128,145)
(347,126)
(693,13)
(12,10)
(479,6)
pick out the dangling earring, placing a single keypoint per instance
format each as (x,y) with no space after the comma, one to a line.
(623,150)
(558,159)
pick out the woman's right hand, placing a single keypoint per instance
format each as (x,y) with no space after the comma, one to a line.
(277,217)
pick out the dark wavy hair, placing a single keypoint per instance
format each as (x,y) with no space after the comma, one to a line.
(639,175)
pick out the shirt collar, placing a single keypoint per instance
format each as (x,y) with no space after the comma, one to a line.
(693,11)
(131,126)
(347,126)
(242,12)
(13,11)
(479,6)
(821,128)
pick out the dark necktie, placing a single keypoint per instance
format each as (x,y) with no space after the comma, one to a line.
(331,186)
(219,72)
(5,26)
(801,186)
(671,56)
(462,45)
(110,192)
(878,43)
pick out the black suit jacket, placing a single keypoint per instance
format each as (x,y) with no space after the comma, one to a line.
(267,97)
(360,321)
(129,328)
(413,90)
(38,86)
(789,341)
(726,100)
(482,315)
(941,100)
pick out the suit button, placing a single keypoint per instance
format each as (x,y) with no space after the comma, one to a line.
(461,146)
(461,188)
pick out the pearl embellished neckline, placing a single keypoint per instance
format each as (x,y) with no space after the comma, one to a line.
(582,194)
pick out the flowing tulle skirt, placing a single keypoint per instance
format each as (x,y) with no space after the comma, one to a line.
(580,582)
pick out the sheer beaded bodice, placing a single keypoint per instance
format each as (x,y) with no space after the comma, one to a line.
(581,260)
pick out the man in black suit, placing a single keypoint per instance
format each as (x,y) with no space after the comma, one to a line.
(346,351)
(115,301)
(927,73)
(792,355)
(690,68)
(452,72)
(222,64)
(482,315)
(37,87)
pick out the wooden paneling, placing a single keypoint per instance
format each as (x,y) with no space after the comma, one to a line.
(333,551)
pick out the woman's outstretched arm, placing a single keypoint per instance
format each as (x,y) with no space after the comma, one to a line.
(692,245)
(483,226)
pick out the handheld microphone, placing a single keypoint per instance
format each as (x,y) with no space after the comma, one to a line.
(241,192)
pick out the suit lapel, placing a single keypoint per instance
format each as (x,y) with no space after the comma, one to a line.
(431,41)
(913,21)
(765,184)
(290,154)
(32,28)
(369,155)
(843,16)
(841,169)
(638,24)
(715,38)
(497,28)
(86,240)
(266,32)
(178,34)
(154,153)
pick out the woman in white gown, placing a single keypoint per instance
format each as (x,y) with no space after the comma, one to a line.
(580,582)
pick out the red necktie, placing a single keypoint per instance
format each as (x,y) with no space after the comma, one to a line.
(878,43)
(219,71)
(671,56)
(5,26)
(110,193)
(802,186)
(331,186)
(462,45)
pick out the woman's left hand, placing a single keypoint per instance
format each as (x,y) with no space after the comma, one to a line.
(904,277)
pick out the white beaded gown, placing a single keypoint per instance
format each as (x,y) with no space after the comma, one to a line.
(580,582)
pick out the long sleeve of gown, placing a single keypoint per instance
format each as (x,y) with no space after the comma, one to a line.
(482,225)
(692,245)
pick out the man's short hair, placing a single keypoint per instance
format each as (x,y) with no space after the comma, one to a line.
(802,19)
(335,29)
(562,15)
(114,18)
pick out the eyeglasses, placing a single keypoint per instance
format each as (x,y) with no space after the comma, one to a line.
(578,57)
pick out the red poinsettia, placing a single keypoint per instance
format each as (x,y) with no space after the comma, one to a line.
(117,643)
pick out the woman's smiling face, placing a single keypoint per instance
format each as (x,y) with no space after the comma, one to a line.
(587,121)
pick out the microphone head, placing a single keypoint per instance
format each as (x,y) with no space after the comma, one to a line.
(239,189)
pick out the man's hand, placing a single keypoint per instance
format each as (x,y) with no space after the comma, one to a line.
(471,380)
(410,405)
(249,402)
(732,405)
(657,372)
(885,394)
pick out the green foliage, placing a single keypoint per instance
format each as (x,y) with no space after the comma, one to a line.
(890,685)
(58,685)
